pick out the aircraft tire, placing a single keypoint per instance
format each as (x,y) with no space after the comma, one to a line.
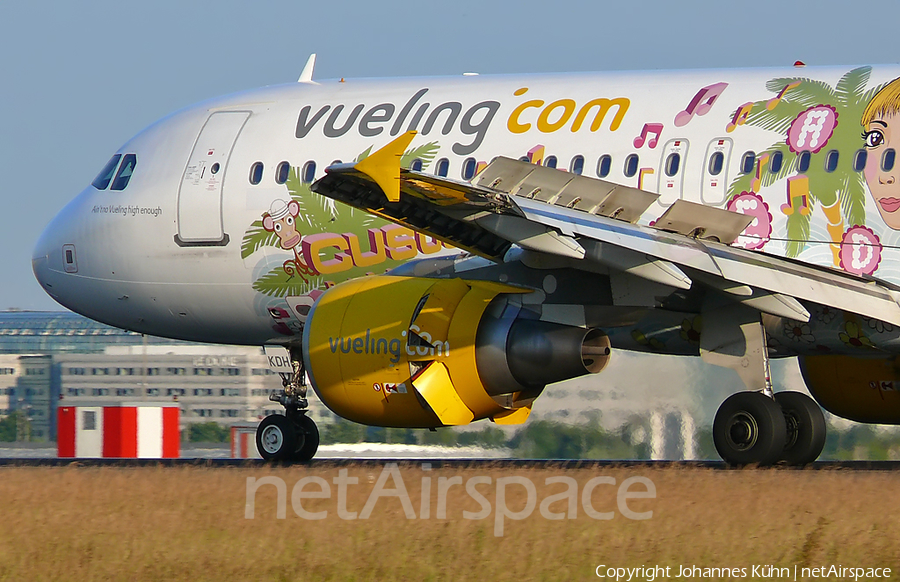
(276,438)
(307,428)
(749,428)
(805,428)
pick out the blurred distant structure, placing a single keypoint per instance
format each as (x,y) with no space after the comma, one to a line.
(52,357)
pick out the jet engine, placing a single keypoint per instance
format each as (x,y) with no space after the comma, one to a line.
(860,389)
(418,352)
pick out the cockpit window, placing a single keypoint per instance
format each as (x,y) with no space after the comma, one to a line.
(103,178)
(125,172)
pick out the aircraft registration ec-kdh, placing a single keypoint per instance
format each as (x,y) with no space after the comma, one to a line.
(435,251)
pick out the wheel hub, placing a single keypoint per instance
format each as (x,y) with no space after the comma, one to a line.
(742,432)
(272,439)
(793,429)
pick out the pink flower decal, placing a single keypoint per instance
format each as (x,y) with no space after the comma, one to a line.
(812,129)
(757,234)
(860,251)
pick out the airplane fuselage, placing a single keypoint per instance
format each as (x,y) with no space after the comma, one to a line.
(163,255)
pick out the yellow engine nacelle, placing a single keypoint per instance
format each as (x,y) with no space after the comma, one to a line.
(416,352)
(860,389)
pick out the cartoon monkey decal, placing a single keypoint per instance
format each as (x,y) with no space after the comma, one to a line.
(281,219)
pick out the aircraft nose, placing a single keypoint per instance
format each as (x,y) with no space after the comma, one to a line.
(54,254)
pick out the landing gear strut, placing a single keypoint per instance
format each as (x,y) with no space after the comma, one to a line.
(293,436)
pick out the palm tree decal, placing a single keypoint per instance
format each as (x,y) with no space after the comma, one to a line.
(841,193)
(318,214)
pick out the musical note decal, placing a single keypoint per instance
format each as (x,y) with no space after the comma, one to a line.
(761,162)
(797,196)
(700,104)
(654,128)
(740,116)
(643,172)
(774,101)
(536,155)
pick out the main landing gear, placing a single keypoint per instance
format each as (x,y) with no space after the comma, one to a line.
(757,428)
(292,436)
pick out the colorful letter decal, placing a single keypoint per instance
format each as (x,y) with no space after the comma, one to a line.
(757,234)
(860,251)
(812,129)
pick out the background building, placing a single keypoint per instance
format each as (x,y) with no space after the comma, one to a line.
(52,357)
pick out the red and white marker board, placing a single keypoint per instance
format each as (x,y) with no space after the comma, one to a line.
(243,442)
(130,430)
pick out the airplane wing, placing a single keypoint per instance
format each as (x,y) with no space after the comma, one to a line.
(542,209)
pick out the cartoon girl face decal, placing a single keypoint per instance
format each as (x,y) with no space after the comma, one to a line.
(881,120)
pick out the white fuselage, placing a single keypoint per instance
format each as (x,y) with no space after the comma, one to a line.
(164,255)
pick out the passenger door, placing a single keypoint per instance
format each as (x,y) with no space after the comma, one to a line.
(200,193)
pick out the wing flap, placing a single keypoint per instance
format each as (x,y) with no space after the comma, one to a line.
(513,202)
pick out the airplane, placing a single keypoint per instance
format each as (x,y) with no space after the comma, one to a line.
(436,251)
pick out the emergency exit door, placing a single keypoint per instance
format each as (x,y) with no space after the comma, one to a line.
(200,192)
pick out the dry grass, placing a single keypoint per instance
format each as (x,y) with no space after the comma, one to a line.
(188,524)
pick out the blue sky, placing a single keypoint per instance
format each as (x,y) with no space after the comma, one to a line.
(78,79)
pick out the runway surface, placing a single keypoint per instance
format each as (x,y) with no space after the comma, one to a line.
(456,463)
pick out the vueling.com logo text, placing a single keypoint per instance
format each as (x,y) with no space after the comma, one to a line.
(420,344)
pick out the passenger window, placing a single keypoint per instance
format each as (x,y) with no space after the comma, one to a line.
(256,172)
(105,176)
(281,172)
(803,162)
(748,162)
(524,159)
(716,163)
(859,160)
(442,168)
(125,172)
(604,164)
(831,161)
(887,160)
(672,163)
(468,169)
(416,165)
(631,165)
(550,162)
(577,165)
(775,162)
(309,172)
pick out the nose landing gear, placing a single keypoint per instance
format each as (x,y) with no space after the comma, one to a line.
(292,436)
